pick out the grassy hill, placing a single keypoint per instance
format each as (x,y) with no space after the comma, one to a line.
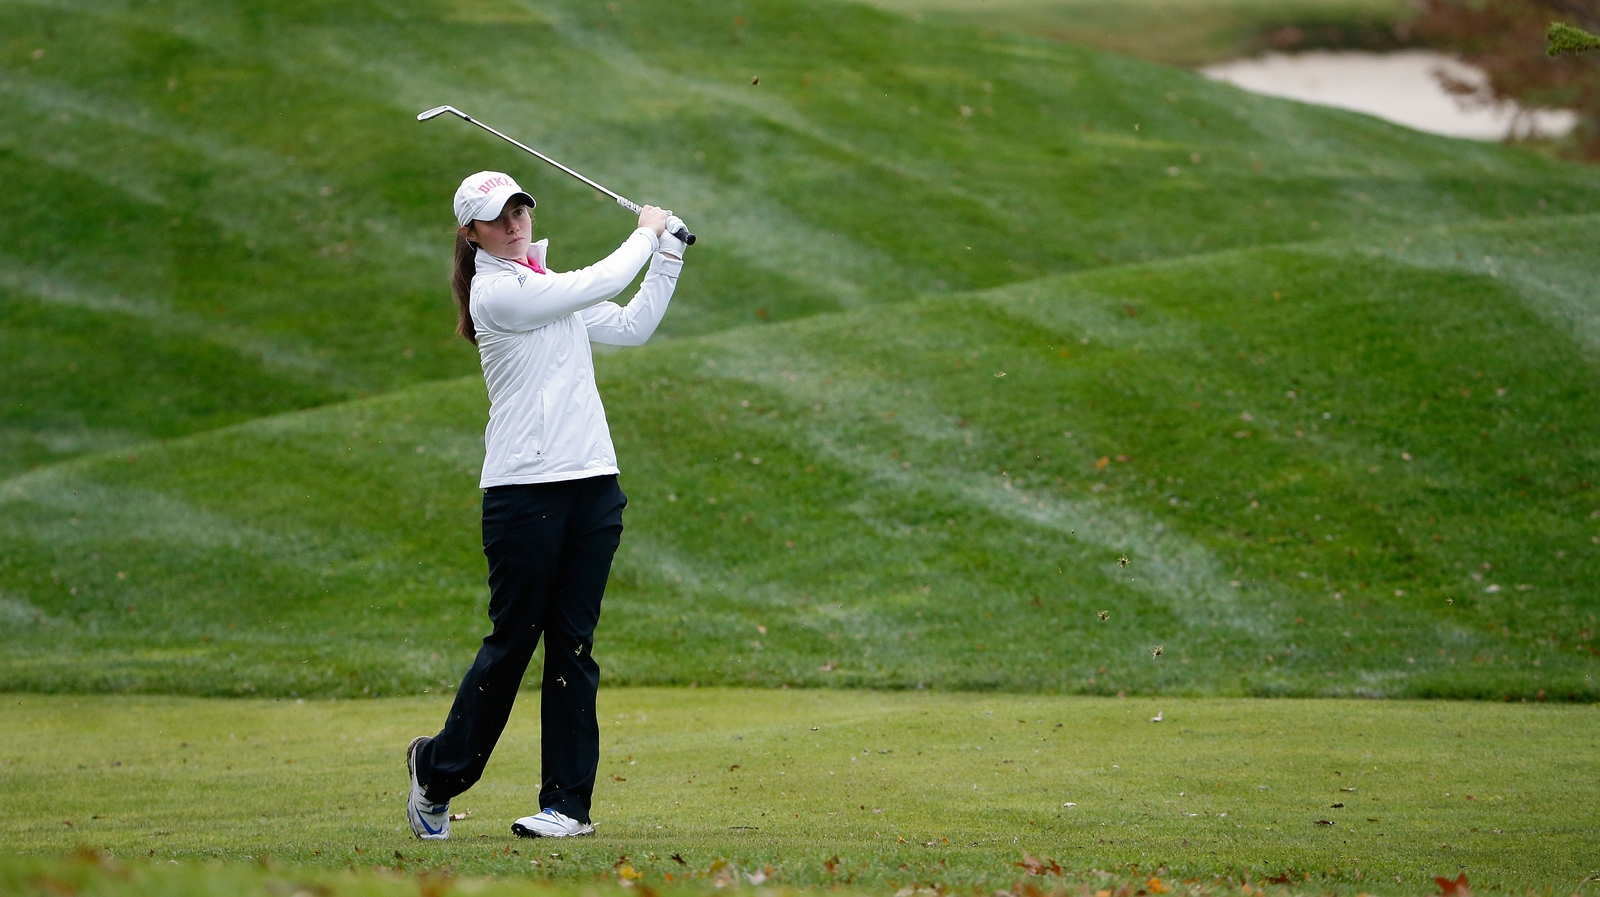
(1326,383)
(1338,468)
(214,214)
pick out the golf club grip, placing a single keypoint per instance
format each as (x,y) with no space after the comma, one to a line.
(681,233)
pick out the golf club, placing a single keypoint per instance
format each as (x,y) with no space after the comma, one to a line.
(682,232)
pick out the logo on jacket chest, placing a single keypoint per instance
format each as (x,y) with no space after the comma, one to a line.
(522,279)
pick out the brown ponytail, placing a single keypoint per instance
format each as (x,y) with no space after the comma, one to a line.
(466,265)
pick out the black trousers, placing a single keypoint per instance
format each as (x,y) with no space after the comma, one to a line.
(549,547)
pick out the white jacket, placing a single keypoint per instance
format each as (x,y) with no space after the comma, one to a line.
(546,423)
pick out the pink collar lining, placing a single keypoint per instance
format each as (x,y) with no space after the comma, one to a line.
(531,265)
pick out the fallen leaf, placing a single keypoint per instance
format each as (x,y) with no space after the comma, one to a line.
(1156,651)
(1037,866)
(457,817)
(1457,888)
(1324,822)
(677,858)
(1104,615)
(1123,561)
(1157,717)
(755,80)
(1156,887)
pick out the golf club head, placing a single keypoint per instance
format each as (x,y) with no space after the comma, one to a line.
(438,111)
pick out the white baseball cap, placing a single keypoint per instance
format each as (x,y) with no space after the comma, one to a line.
(482,196)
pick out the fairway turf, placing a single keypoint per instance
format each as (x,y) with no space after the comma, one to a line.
(899,788)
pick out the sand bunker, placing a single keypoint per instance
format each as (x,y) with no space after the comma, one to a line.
(1400,87)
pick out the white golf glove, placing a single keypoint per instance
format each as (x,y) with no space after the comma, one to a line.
(669,244)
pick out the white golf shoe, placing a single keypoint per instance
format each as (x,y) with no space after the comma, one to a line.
(550,824)
(429,821)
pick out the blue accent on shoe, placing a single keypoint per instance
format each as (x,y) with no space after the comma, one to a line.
(428,828)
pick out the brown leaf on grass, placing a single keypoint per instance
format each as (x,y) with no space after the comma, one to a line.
(1457,888)
(1104,615)
(831,864)
(1156,886)
(1103,463)
(678,858)
(457,817)
(1036,866)
(1157,651)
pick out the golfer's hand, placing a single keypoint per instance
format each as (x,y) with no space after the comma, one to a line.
(653,218)
(671,245)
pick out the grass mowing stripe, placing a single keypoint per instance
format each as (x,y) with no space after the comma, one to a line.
(1235,424)
(902,788)
(308,207)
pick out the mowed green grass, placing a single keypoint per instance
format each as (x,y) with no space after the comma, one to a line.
(217,213)
(1357,468)
(1177,32)
(819,787)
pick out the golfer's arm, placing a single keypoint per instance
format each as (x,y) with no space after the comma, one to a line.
(616,325)
(542,298)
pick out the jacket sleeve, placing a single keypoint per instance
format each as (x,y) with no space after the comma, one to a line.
(540,299)
(616,325)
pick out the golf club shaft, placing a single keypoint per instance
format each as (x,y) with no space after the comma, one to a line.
(682,232)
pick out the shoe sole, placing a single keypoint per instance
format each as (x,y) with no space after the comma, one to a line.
(522,831)
(411,770)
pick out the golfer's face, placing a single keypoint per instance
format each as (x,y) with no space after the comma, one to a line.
(508,236)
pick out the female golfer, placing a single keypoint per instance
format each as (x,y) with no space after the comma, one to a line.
(552,511)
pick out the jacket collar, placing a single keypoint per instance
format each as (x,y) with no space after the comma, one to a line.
(487,263)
